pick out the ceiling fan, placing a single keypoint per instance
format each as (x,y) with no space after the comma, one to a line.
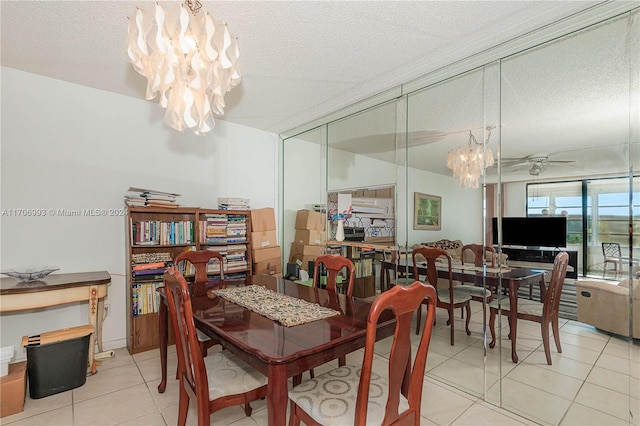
(537,163)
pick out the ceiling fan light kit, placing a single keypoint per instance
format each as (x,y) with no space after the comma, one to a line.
(190,62)
(468,163)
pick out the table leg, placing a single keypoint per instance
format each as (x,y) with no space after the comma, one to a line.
(99,322)
(543,288)
(163,331)
(513,317)
(277,397)
(93,320)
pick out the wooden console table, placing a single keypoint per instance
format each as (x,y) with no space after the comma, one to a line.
(60,289)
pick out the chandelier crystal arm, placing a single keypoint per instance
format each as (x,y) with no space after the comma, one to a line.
(194,6)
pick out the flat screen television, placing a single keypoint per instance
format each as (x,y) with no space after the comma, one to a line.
(532,231)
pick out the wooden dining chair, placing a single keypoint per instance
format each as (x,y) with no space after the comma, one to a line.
(334,265)
(545,313)
(449,298)
(217,381)
(394,273)
(333,397)
(200,261)
(477,293)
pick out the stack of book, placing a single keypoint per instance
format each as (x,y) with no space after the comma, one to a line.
(229,203)
(214,229)
(146,277)
(236,228)
(151,198)
(236,258)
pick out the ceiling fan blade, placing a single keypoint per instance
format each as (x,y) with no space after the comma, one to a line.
(560,161)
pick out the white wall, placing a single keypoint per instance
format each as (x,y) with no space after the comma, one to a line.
(515,196)
(461,208)
(66,146)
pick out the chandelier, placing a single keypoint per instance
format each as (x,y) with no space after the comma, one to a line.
(189,61)
(468,163)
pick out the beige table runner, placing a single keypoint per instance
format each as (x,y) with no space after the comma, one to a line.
(287,310)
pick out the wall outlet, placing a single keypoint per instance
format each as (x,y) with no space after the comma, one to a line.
(107,310)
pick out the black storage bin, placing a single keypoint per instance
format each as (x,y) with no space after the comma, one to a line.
(57,361)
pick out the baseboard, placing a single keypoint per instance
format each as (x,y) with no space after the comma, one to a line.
(114,344)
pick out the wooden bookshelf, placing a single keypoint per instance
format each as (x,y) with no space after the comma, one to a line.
(155,236)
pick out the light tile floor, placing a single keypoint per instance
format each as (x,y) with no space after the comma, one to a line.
(595,381)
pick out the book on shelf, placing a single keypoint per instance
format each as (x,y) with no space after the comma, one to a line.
(144,278)
(145,298)
(144,266)
(151,257)
(143,272)
(151,198)
(167,204)
(134,201)
(149,232)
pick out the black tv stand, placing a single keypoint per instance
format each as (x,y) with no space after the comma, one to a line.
(541,256)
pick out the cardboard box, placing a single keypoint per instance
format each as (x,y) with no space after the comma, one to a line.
(310,237)
(307,250)
(268,267)
(262,239)
(262,254)
(12,389)
(308,219)
(263,219)
(303,261)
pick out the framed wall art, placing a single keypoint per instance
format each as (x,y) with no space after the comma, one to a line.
(427,212)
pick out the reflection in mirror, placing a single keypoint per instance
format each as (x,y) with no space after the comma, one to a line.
(440,119)
(303,183)
(362,149)
(565,139)
(565,152)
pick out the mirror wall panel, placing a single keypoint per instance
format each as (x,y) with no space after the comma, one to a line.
(361,162)
(441,118)
(566,116)
(303,184)
(575,92)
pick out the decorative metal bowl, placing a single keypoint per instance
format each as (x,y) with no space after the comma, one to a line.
(30,274)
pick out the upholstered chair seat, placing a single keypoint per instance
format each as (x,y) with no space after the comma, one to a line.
(459,295)
(473,291)
(334,406)
(229,375)
(525,306)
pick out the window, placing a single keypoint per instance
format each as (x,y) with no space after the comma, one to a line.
(595,208)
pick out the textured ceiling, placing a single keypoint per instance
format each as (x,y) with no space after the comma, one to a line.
(301,60)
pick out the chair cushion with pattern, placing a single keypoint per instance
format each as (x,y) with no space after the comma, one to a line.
(342,383)
(229,375)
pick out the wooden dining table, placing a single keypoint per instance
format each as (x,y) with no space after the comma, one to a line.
(281,352)
(494,278)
